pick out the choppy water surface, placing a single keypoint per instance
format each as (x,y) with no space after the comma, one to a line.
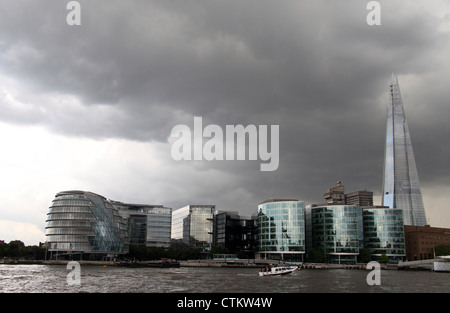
(97,279)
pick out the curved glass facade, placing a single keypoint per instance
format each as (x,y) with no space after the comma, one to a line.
(281,230)
(384,233)
(337,230)
(83,222)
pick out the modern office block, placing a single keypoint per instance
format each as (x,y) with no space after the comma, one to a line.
(84,223)
(159,227)
(193,225)
(384,233)
(147,225)
(235,233)
(338,231)
(281,230)
(401,187)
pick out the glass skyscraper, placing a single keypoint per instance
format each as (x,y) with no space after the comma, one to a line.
(401,187)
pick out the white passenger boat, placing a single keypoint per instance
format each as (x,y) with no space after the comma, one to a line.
(277,270)
(442,265)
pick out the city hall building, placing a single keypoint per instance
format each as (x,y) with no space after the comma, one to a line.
(84,225)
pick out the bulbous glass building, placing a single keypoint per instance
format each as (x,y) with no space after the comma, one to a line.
(84,225)
(281,230)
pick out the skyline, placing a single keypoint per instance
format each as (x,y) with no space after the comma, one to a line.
(91,107)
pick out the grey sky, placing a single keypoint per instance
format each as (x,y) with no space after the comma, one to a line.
(97,102)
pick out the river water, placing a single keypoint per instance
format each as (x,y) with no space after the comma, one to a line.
(113,279)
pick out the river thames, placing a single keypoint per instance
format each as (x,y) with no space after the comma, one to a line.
(113,279)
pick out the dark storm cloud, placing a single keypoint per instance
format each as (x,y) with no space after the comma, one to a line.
(135,69)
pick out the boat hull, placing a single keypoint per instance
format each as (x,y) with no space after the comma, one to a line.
(277,271)
(441,266)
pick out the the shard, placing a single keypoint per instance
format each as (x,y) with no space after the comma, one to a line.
(401,187)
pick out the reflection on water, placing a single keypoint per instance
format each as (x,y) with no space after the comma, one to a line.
(52,278)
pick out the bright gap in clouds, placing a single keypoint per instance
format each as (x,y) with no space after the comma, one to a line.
(37,164)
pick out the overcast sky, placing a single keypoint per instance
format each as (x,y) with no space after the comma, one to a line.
(91,107)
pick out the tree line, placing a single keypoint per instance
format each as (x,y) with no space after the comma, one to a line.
(16,249)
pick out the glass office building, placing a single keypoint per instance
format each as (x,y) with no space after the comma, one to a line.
(147,225)
(401,187)
(338,231)
(84,225)
(384,233)
(159,225)
(281,230)
(235,233)
(193,225)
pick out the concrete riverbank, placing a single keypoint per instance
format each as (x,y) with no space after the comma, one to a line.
(425,265)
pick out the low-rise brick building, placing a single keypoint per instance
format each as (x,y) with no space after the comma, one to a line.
(421,241)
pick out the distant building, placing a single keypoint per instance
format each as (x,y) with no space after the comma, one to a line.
(281,230)
(422,240)
(359,198)
(337,195)
(193,225)
(235,233)
(82,224)
(147,225)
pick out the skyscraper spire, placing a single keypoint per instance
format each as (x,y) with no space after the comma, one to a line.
(401,187)
(394,79)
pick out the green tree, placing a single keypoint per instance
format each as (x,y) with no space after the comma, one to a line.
(218,250)
(316,255)
(383,258)
(16,249)
(364,256)
(3,249)
(443,249)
